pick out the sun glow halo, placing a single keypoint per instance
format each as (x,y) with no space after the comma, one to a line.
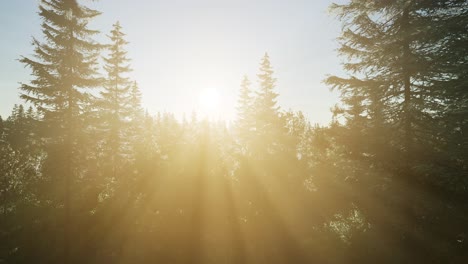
(209,102)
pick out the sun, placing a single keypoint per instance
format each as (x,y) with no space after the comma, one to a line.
(209,102)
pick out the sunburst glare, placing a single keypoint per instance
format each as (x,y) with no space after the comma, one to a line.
(209,102)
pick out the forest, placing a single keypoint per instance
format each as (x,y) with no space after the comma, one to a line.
(87,175)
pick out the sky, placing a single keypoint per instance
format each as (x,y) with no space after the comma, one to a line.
(182,48)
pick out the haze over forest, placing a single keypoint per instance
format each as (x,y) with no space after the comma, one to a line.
(194,46)
(96,169)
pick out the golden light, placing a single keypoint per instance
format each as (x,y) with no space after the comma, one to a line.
(209,102)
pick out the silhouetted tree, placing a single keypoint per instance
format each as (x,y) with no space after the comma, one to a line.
(265,102)
(118,103)
(245,122)
(64,70)
(392,102)
(268,124)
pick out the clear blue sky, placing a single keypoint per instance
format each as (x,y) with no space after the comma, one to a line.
(181,47)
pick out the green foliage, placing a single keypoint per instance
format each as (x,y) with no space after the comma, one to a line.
(392,126)
(94,179)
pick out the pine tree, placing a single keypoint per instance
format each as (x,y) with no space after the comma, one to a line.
(22,128)
(399,88)
(137,119)
(451,18)
(117,102)
(268,124)
(391,55)
(64,67)
(135,101)
(245,112)
(265,103)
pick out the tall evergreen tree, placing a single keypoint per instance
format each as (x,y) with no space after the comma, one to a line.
(136,134)
(265,103)
(117,102)
(245,112)
(394,67)
(136,109)
(399,87)
(451,18)
(64,67)
(135,101)
(268,124)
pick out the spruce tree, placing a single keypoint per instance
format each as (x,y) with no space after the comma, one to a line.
(64,67)
(401,84)
(393,69)
(135,101)
(268,124)
(137,120)
(265,103)
(451,18)
(116,105)
(245,112)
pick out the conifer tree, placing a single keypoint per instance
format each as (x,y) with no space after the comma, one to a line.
(117,102)
(64,67)
(135,101)
(393,67)
(452,62)
(65,63)
(245,112)
(265,103)
(268,124)
(399,86)
(137,120)
(22,129)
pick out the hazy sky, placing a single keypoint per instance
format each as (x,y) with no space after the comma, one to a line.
(181,47)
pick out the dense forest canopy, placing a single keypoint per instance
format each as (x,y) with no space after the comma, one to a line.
(88,176)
